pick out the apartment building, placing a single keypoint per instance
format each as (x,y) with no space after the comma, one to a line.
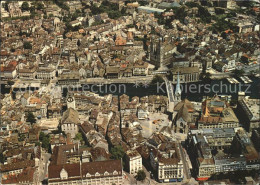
(133,161)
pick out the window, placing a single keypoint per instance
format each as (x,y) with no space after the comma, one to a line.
(106,173)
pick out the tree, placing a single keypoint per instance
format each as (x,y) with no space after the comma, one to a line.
(157,79)
(117,152)
(97,23)
(204,14)
(31,118)
(32,9)
(222,25)
(27,45)
(42,135)
(238,73)
(123,11)
(25,6)
(140,175)
(205,77)
(180,14)
(46,142)
(39,6)
(61,4)
(114,14)
(245,3)
(191,4)
(79,137)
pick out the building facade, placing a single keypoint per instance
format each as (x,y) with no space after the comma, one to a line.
(186,74)
(169,166)
(249,111)
(87,173)
(45,73)
(70,122)
(133,161)
(216,113)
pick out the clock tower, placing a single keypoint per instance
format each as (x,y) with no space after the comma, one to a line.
(71,101)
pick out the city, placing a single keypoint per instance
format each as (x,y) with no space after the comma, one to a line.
(130,92)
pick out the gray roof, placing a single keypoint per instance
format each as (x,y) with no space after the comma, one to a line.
(184,114)
(70,116)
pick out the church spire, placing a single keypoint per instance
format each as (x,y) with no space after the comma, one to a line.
(178,89)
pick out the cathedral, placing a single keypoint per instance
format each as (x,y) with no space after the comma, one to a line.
(161,51)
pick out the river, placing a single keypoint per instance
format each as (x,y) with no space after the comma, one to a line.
(192,91)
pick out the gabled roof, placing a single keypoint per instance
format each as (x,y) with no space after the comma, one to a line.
(73,170)
(101,167)
(185,102)
(184,114)
(70,116)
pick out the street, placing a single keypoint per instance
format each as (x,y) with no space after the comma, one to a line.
(43,166)
(185,165)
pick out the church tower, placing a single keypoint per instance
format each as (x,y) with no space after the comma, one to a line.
(161,52)
(178,90)
(156,51)
(71,101)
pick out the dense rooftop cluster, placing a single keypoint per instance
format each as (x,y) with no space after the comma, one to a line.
(56,128)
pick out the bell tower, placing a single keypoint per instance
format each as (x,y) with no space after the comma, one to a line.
(178,90)
(71,101)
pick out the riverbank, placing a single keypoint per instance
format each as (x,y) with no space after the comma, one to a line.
(125,80)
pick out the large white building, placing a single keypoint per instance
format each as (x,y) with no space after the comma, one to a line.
(249,109)
(169,165)
(8,72)
(45,73)
(133,161)
(99,172)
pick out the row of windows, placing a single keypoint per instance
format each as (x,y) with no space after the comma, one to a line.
(218,126)
(90,181)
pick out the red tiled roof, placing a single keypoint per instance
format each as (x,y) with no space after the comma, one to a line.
(101,167)
(73,170)
(26,176)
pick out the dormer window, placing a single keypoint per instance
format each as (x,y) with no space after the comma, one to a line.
(106,173)
(88,175)
(115,173)
(63,174)
(97,174)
